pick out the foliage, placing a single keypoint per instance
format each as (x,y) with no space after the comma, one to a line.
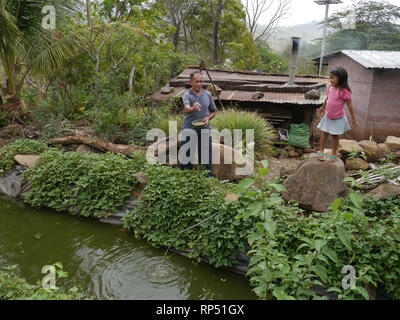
(300,257)
(236,119)
(19,146)
(377,27)
(12,287)
(81,182)
(164,122)
(272,62)
(174,200)
(356,154)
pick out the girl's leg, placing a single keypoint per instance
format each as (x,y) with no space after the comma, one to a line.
(335,146)
(322,141)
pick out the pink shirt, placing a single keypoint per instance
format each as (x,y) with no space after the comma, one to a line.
(336,101)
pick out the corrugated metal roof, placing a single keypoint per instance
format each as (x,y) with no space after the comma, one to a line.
(240,75)
(238,95)
(371,59)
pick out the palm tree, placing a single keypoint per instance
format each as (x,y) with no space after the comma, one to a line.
(25,46)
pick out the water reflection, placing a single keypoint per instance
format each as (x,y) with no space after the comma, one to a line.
(105,260)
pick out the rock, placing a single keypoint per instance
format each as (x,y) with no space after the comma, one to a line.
(393,143)
(316,184)
(313,94)
(26,160)
(257,95)
(234,168)
(293,154)
(10,184)
(299,150)
(143,179)
(348,146)
(371,148)
(356,164)
(83,148)
(231,197)
(384,191)
(382,149)
(327,151)
(309,150)
(166,90)
(290,148)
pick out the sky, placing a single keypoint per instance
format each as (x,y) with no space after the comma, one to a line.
(305,11)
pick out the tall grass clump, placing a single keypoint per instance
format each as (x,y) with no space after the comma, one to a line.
(239,119)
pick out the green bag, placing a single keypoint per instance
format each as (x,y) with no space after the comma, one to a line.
(299,135)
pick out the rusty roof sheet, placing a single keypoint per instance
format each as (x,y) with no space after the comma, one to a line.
(238,95)
(219,74)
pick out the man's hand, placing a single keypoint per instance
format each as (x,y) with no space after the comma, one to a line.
(196,106)
(206,120)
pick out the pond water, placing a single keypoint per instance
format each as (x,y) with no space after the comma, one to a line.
(105,260)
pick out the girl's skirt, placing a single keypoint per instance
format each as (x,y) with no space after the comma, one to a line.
(334,126)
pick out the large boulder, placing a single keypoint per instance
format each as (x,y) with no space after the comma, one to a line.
(382,150)
(385,191)
(347,146)
(371,148)
(26,160)
(316,184)
(231,166)
(356,164)
(10,184)
(393,143)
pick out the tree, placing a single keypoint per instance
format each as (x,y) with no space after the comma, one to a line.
(216,7)
(25,46)
(377,27)
(254,10)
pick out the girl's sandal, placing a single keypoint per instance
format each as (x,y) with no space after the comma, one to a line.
(332,159)
(321,156)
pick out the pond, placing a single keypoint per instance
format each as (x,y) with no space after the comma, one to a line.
(105,260)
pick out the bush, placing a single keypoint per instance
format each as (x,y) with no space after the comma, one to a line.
(19,146)
(163,124)
(81,182)
(294,254)
(234,119)
(174,200)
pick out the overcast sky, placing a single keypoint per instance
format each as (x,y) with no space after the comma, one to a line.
(304,11)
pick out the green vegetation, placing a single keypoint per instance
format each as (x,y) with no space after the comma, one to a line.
(12,287)
(19,146)
(174,200)
(293,254)
(81,183)
(236,119)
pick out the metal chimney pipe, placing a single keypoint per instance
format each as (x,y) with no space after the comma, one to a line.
(293,62)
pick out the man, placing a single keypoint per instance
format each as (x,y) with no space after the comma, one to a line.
(198,104)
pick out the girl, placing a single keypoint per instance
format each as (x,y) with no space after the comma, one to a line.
(335,121)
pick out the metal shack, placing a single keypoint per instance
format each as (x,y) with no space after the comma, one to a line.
(280,98)
(374,77)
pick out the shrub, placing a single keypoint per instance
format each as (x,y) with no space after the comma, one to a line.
(19,146)
(234,119)
(294,254)
(163,124)
(174,200)
(81,182)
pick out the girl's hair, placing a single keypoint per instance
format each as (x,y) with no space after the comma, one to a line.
(342,75)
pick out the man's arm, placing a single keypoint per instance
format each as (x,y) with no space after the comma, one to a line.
(186,105)
(213,109)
